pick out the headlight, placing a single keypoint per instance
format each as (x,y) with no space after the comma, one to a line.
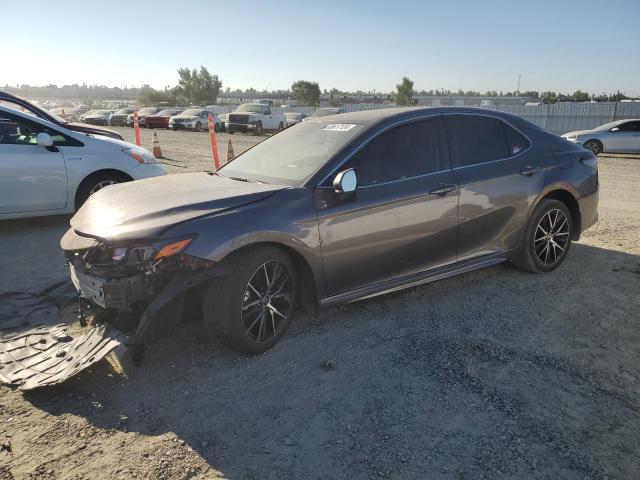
(140,155)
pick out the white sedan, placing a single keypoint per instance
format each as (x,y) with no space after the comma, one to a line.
(46,169)
(622,136)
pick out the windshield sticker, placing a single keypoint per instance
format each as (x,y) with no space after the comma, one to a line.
(339,127)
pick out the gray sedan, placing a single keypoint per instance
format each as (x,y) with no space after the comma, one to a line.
(622,136)
(332,210)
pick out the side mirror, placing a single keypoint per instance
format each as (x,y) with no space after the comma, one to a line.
(44,140)
(615,129)
(346,181)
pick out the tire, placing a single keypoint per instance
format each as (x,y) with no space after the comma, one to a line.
(258,328)
(540,253)
(216,128)
(258,128)
(280,127)
(230,131)
(198,126)
(594,145)
(95,182)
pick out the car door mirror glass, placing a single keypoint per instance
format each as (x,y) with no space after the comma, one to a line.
(346,181)
(44,140)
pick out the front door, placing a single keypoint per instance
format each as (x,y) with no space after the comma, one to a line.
(403,216)
(32,178)
(626,139)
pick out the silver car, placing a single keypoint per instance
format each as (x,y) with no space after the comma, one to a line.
(621,136)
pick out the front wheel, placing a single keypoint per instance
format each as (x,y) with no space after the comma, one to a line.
(198,126)
(594,145)
(97,182)
(258,128)
(252,308)
(547,238)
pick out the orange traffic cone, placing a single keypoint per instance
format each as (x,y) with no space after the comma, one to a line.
(156,146)
(230,153)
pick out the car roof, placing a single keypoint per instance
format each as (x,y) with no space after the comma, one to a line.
(372,117)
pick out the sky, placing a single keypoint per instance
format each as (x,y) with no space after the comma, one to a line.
(560,45)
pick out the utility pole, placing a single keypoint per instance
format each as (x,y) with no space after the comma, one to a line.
(518,89)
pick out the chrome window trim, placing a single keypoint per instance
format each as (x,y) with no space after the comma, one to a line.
(498,159)
(367,140)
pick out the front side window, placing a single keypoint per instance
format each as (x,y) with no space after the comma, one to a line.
(18,131)
(630,127)
(404,152)
(476,139)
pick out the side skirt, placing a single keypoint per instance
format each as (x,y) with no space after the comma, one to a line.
(414,279)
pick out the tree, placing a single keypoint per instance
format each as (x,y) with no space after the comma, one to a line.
(580,96)
(197,87)
(306,93)
(404,92)
(151,96)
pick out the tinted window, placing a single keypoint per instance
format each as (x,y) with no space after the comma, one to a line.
(517,142)
(476,139)
(630,127)
(404,152)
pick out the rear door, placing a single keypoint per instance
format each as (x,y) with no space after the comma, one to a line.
(403,215)
(499,178)
(32,178)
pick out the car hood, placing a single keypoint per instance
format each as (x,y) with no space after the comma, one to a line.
(580,132)
(92,129)
(144,208)
(185,117)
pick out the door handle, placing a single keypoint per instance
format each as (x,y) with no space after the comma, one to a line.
(528,171)
(442,189)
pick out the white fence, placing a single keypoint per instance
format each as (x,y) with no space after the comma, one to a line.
(557,118)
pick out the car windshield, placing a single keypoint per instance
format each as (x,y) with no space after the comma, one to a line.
(250,108)
(166,112)
(124,111)
(323,112)
(192,112)
(608,126)
(293,155)
(101,112)
(147,111)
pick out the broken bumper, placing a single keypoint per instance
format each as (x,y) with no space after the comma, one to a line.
(44,356)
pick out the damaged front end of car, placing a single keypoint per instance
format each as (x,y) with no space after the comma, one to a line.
(131,292)
(129,284)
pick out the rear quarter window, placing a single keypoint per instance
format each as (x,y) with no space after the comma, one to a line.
(518,143)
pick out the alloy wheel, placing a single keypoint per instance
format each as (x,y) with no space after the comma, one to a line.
(101,185)
(267,301)
(551,237)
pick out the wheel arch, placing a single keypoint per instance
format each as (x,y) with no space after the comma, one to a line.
(96,174)
(569,199)
(309,293)
(594,139)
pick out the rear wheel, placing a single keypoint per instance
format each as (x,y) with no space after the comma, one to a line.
(547,238)
(251,309)
(594,145)
(198,126)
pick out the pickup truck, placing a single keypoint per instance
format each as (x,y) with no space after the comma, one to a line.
(254,117)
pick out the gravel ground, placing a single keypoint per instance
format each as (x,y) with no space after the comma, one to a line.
(493,374)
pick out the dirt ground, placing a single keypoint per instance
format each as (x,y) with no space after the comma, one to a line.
(494,374)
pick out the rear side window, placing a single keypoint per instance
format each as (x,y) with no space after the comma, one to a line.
(403,152)
(476,139)
(518,143)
